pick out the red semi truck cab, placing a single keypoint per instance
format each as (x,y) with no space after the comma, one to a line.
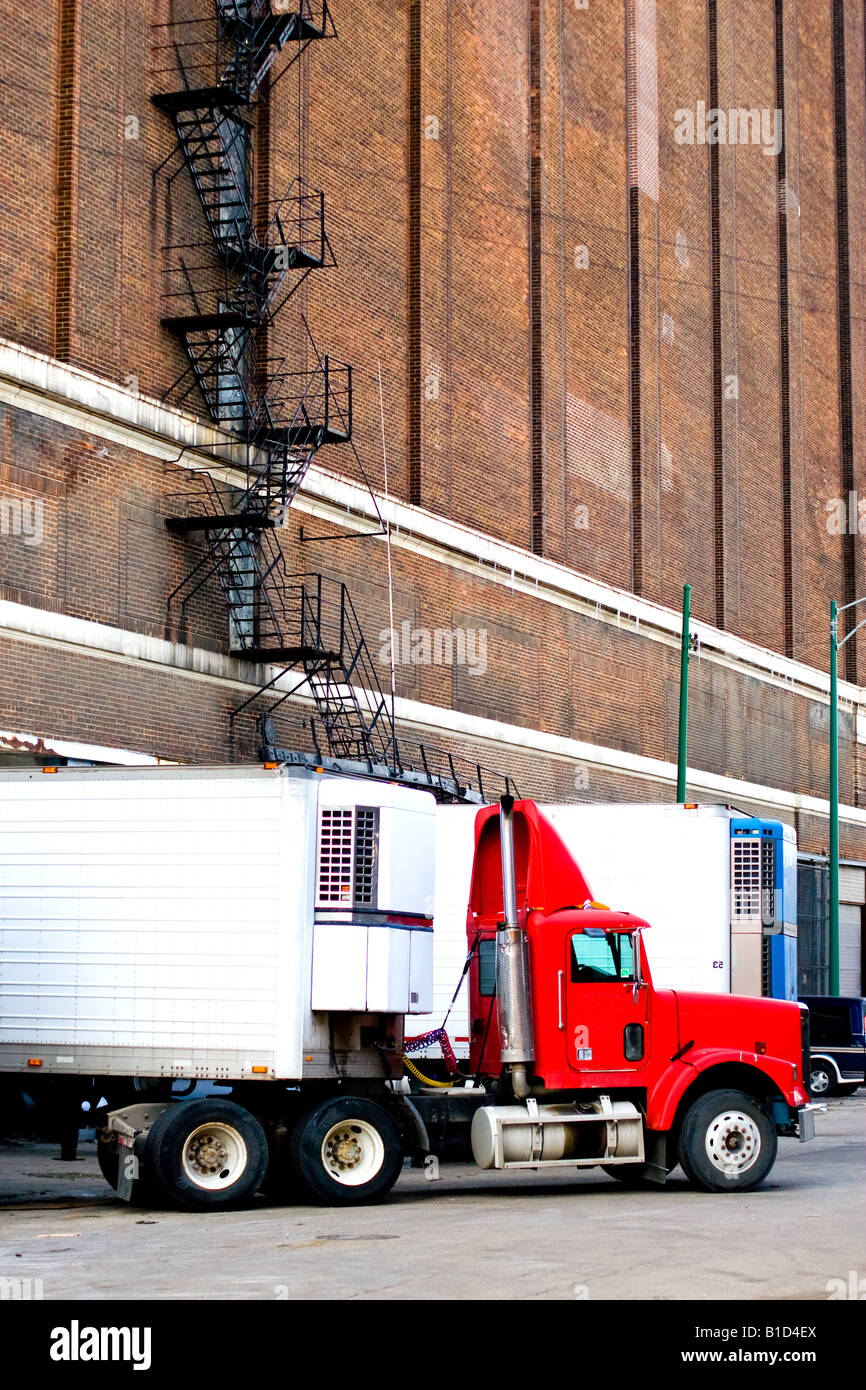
(714,1078)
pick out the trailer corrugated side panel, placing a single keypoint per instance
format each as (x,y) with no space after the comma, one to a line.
(153,922)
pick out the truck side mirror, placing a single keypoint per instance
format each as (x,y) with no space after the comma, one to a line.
(638,977)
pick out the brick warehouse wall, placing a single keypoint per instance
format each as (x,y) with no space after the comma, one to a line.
(739,728)
(564,318)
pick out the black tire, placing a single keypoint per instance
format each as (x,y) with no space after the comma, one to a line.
(822,1080)
(107,1158)
(740,1134)
(144,1190)
(358,1164)
(187,1143)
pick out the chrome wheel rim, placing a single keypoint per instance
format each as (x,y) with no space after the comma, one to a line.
(353,1152)
(733,1143)
(214,1156)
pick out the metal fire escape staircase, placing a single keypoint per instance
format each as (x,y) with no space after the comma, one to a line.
(218,295)
(285,428)
(216,305)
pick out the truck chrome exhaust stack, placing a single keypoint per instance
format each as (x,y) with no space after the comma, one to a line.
(512,966)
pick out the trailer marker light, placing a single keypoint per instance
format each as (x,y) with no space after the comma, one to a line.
(258,1069)
(34,1061)
(49,769)
(270,766)
(760,1048)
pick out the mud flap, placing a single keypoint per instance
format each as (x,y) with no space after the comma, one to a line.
(656,1161)
(131,1126)
(806,1121)
(127,1168)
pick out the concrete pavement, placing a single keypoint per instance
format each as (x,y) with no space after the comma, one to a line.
(469,1235)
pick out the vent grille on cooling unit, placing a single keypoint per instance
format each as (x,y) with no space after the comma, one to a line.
(366,840)
(746,880)
(753,880)
(335,858)
(768,882)
(347,870)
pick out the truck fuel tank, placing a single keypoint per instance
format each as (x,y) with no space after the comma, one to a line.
(537,1136)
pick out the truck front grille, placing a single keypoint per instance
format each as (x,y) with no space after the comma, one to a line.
(806,1044)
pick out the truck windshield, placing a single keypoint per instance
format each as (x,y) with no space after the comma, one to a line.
(602,958)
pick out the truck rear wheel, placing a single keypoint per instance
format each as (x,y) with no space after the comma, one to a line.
(347,1152)
(207,1153)
(727,1143)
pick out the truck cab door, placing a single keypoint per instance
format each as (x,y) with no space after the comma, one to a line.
(606,1004)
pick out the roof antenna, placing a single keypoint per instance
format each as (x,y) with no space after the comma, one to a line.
(390,576)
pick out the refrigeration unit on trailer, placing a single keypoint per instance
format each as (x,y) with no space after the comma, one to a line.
(764,905)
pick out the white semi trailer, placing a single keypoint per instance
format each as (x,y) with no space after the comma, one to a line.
(719,888)
(269,929)
(263,927)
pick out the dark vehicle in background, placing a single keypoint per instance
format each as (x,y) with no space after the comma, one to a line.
(838,1024)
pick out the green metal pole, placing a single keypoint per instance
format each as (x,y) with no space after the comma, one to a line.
(834,802)
(684,695)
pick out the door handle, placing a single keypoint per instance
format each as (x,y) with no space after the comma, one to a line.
(560,977)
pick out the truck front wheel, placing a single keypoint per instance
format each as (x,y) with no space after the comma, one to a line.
(347,1152)
(727,1143)
(207,1154)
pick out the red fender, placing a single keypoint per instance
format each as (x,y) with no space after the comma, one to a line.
(676,1079)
